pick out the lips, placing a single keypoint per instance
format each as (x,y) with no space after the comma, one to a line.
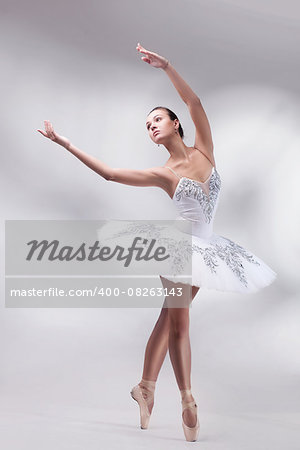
(155,133)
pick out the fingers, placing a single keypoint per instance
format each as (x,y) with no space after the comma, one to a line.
(49,129)
(43,133)
(142,49)
(48,125)
(146,58)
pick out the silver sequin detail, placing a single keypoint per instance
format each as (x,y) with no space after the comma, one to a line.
(192,188)
(230,253)
(180,250)
(150,230)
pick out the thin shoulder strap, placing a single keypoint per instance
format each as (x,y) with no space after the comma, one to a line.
(173,171)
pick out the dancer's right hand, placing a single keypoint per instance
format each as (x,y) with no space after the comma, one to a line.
(51,134)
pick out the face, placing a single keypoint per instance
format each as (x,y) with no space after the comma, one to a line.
(160,126)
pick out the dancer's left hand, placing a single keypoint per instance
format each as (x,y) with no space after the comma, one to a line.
(153,59)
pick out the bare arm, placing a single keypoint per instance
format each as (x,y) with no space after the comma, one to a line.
(155,176)
(203,132)
(93,163)
(146,177)
(203,138)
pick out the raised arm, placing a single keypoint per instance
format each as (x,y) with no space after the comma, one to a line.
(203,138)
(155,176)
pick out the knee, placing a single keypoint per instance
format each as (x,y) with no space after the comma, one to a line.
(179,329)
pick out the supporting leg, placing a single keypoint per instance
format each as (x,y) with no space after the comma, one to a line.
(180,350)
(157,347)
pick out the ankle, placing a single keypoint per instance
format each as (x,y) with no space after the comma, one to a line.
(148,384)
(186,395)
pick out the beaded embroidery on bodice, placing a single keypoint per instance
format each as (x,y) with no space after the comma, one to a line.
(197,201)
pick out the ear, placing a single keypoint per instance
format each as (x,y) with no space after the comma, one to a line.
(176,123)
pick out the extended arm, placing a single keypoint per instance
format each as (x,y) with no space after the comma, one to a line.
(146,177)
(155,176)
(93,163)
(203,139)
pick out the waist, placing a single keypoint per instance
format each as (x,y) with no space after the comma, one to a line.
(194,227)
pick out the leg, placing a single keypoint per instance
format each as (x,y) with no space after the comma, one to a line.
(155,353)
(180,349)
(158,342)
(158,345)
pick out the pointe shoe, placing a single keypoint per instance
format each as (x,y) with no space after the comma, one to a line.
(137,392)
(191,433)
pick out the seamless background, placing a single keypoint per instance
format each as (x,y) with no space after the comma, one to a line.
(66,373)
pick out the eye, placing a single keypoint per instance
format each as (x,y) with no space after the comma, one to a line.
(156,118)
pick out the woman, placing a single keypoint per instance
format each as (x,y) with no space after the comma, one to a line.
(192,181)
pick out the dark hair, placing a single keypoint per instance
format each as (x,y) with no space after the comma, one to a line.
(172,116)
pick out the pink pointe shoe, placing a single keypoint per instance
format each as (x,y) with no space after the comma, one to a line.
(191,433)
(143,393)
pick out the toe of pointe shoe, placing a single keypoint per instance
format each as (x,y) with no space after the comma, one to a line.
(191,433)
(136,394)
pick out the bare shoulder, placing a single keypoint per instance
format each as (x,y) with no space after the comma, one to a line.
(163,176)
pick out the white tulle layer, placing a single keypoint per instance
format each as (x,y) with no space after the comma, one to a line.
(226,266)
(213,263)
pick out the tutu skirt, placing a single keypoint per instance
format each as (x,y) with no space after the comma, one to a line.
(213,262)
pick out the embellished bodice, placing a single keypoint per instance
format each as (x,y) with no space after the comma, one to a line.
(197,201)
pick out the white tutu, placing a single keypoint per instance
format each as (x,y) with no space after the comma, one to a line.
(213,263)
(197,256)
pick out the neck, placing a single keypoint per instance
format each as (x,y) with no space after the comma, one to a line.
(177,149)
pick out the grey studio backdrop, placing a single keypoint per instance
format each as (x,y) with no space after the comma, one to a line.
(66,373)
